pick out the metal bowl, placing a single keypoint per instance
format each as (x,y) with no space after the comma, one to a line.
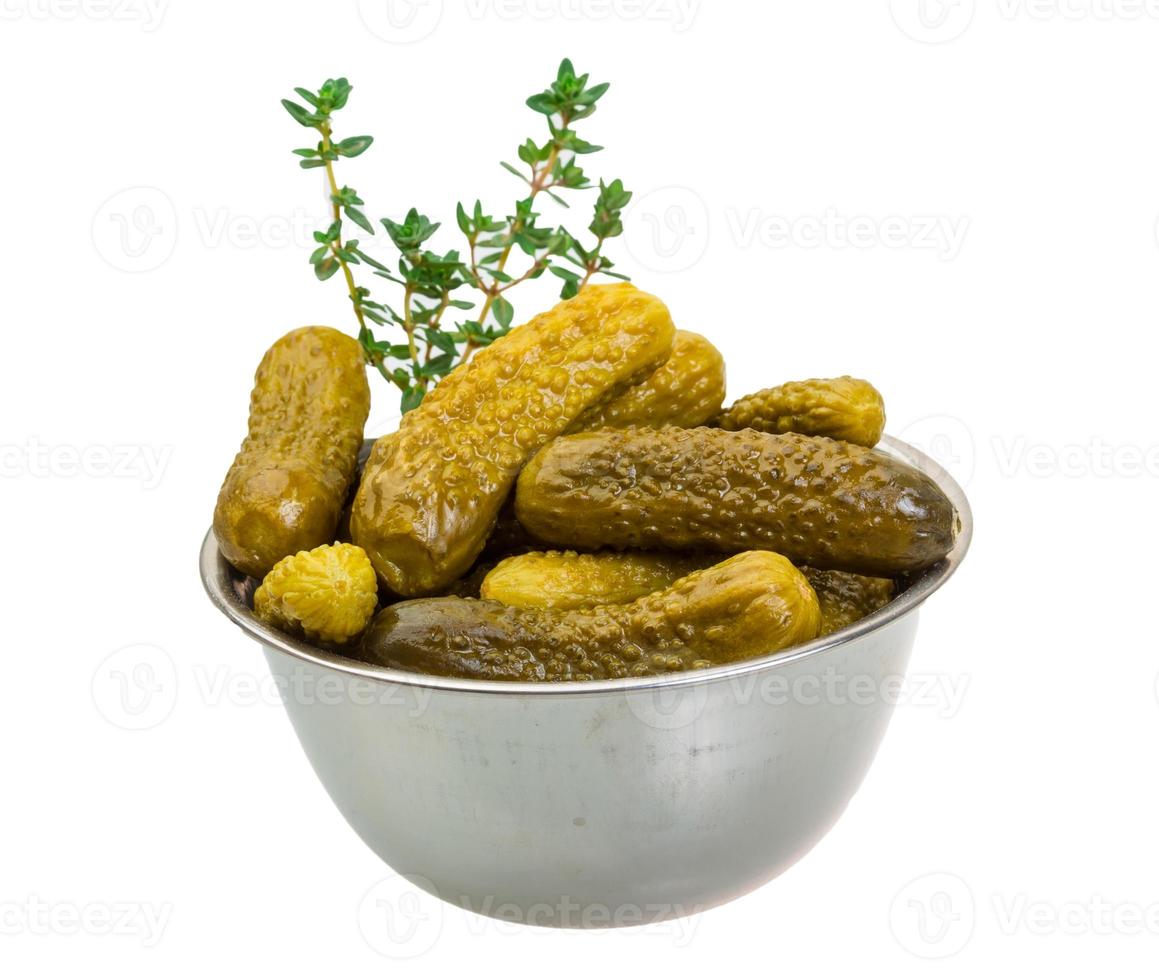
(603,802)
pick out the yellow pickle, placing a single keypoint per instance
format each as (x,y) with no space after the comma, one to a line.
(841,408)
(326,594)
(431,491)
(749,605)
(572,580)
(568,580)
(686,390)
(286,487)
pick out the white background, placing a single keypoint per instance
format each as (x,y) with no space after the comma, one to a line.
(1016,805)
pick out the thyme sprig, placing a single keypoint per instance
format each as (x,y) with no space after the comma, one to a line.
(425,282)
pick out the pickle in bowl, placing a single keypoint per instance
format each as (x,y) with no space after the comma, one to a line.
(328,594)
(574,580)
(686,390)
(286,488)
(432,491)
(846,598)
(817,501)
(841,408)
(749,605)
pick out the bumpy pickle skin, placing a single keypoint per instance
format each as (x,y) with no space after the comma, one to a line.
(574,580)
(747,606)
(432,490)
(817,501)
(570,580)
(286,487)
(845,598)
(686,390)
(327,594)
(841,408)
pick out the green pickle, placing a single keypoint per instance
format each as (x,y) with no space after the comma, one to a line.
(431,491)
(845,598)
(817,501)
(686,390)
(286,487)
(749,605)
(841,408)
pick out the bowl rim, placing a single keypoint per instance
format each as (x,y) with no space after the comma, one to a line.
(219,580)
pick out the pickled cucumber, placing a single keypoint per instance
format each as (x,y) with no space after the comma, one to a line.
(817,501)
(286,487)
(840,408)
(326,594)
(749,605)
(845,598)
(686,390)
(569,580)
(431,491)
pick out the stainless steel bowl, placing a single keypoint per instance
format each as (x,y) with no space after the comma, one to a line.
(608,801)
